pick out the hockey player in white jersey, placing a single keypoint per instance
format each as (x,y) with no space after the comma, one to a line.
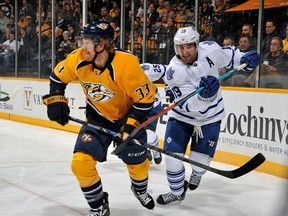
(194,65)
(152,137)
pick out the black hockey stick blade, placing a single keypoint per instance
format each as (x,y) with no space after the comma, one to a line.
(252,164)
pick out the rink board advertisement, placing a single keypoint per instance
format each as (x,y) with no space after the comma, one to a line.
(255,121)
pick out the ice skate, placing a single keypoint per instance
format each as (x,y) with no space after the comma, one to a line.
(149,155)
(169,198)
(157,157)
(102,210)
(194,181)
(145,199)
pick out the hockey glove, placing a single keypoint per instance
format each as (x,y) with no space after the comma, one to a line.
(211,86)
(169,93)
(57,108)
(125,130)
(252,58)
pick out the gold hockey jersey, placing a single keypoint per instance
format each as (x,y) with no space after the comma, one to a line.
(115,90)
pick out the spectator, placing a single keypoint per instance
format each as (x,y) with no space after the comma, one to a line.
(105,16)
(182,9)
(248,29)
(228,41)
(28,9)
(273,68)
(61,22)
(29,37)
(270,32)
(58,8)
(75,42)
(77,13)
(164,18)
(171,31)
(116,34)
(68,13)
(93,7)
(160,34)
(206,11)
(238,78)
(190,16)
(49,18)
(285,42)
(72,31)
(138,43)
(6,35)
(58,37)
(11,23)
(41,13)
(206,31)
(140,20)
(152,51)
(46,31)
(70,3)
(21,22)
(7,55)
(3,22)
(153,16)
(7,8)
(245,43)
(65,47)
(167,7)
(115,11)
(160,9)
(217,19)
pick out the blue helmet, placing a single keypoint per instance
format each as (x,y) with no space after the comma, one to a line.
(97,30)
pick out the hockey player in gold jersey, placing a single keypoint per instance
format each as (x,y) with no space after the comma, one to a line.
(119,97)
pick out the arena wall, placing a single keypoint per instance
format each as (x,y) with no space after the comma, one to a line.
(256,119)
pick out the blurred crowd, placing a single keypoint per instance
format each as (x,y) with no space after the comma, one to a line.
(235,29)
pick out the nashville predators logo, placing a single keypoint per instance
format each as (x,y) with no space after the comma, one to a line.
(98,92)
(86,137)
(103,26)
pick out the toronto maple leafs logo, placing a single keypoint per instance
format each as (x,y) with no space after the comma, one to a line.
(169,73)
(98,92)
(145,67)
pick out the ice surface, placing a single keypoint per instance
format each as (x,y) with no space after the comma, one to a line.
(36,180)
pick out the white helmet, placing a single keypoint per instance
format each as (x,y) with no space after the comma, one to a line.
(186,35)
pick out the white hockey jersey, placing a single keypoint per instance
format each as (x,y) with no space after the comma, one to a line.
(183,79)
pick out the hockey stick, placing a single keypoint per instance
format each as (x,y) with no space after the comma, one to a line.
(101,129)
(120,147)
(252,164)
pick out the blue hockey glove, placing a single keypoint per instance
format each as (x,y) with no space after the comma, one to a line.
(57,108)
(169,93)
(211,86)
(252,58)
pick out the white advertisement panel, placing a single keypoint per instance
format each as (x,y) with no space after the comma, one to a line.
(255,121)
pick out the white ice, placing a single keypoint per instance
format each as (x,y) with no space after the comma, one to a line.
(36,180)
